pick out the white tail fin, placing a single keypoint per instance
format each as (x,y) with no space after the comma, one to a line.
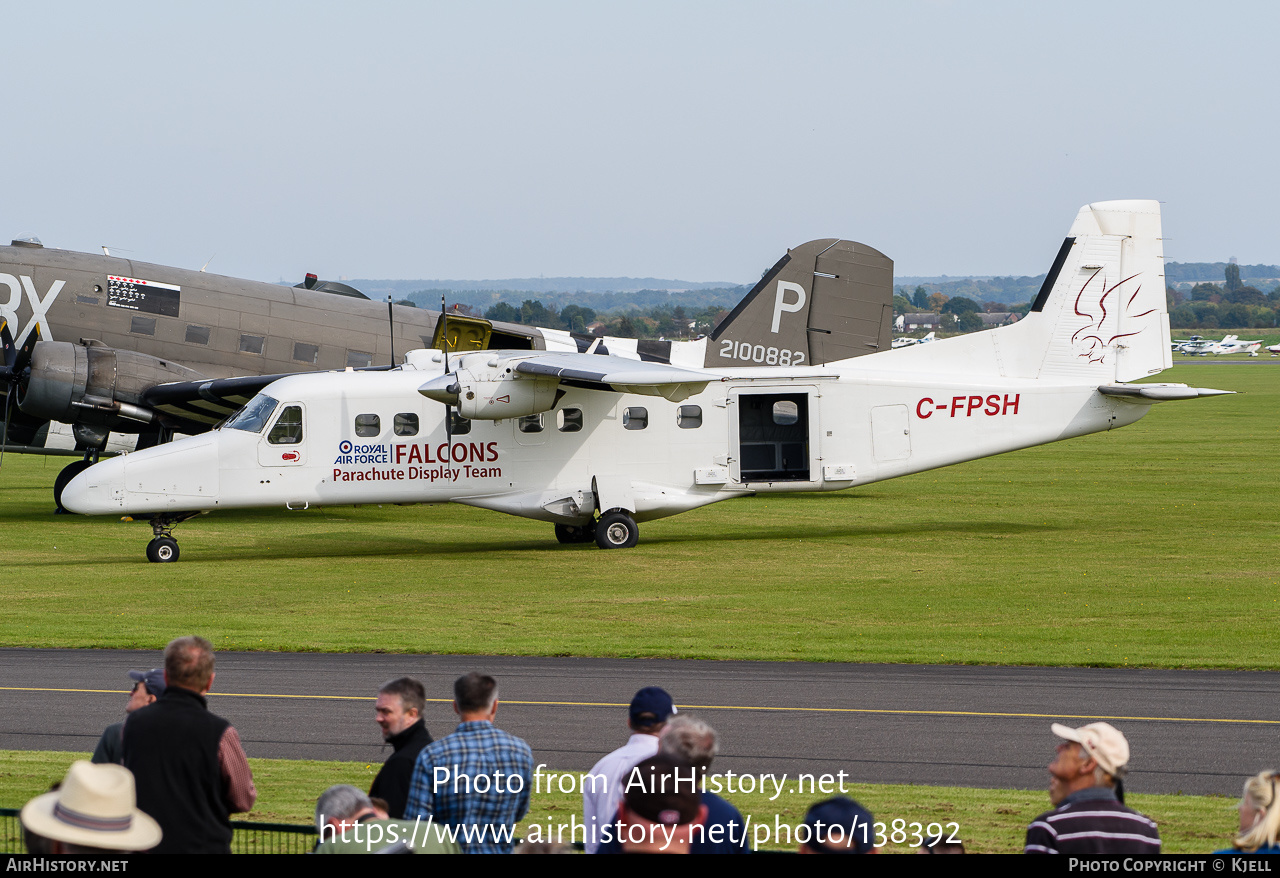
(1104,303)
(1100,315)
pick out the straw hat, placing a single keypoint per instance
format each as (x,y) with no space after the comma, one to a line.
(95,807)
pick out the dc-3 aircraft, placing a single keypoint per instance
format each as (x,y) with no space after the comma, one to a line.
(595,442)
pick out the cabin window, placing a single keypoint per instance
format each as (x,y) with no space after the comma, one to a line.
(785,413)
(569,420)
(251,344)
(635,418)
(368,425)
(458,425)
(359,359)
(689,417)
(288,427)
(530,424)
(406,424)
(254,416)
(143,325)
(306,353)
(197,334)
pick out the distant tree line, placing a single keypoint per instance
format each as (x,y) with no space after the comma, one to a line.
(656,314)
(663,321)
(1234,305)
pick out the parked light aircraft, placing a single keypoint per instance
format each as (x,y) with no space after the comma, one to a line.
(906,341)
(596,443)
(1202,347)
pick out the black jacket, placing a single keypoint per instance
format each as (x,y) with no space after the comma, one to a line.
(392,782)
(171,747)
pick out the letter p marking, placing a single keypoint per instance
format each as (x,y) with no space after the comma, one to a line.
(781,304)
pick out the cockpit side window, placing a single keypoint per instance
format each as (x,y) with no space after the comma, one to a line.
(287,429)
(254,416)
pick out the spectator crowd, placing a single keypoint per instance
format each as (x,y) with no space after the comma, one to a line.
(168,778)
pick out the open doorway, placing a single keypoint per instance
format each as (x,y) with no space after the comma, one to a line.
(773,437)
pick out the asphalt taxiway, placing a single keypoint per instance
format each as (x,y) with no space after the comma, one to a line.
(1190,731)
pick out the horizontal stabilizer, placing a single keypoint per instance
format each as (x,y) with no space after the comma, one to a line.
(1149,393)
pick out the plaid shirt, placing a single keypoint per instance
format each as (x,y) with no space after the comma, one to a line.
(476,755)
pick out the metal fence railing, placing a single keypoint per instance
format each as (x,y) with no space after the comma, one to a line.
(247,838)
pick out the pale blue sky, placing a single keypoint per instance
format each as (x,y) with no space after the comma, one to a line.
(694,140)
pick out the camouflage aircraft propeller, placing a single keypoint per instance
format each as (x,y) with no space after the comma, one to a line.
(14,373)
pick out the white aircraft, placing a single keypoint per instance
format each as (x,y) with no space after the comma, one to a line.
(907,341)
(1230,344)
(596,443)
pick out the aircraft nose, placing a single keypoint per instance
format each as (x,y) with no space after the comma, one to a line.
(97,490)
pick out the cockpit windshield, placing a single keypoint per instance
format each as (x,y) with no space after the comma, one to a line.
(254,416)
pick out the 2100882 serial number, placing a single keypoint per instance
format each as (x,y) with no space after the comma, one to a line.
(747,352)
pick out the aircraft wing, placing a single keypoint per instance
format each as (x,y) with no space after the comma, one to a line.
(197,406)
(597,372)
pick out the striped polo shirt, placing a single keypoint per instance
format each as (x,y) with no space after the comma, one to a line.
(1092,821)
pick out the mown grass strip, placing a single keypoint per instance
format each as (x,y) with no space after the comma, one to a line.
(1153,545)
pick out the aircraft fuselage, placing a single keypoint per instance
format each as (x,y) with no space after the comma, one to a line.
(371,438)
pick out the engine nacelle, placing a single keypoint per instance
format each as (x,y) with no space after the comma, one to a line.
(494,400)
(492,395)
(93,383)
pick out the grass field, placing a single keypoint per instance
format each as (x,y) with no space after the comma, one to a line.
(990,821)
(1154,545)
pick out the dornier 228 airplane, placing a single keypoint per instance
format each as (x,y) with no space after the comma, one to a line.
(596,443)
(89,335)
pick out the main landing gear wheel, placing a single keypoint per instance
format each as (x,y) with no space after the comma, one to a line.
(572,533)
(69,472)
(162,550)
(617,530)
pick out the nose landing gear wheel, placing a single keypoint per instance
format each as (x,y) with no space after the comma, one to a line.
(162,550)
(617,530)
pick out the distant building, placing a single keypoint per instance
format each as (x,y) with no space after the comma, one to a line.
(912,322)
(998,318)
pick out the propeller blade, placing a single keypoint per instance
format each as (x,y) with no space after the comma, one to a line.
(22,359)
(8,406)
(452,388)
(6,341)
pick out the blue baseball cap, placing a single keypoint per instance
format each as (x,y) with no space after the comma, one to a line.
(840,826)
(651,705)
(152,679)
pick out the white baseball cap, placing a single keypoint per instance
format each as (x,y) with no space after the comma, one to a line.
(1102,741)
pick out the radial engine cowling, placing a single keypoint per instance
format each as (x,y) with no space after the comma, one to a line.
(486,398)
(93,383)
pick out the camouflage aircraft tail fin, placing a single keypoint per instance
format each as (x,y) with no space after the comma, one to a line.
(823,301)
